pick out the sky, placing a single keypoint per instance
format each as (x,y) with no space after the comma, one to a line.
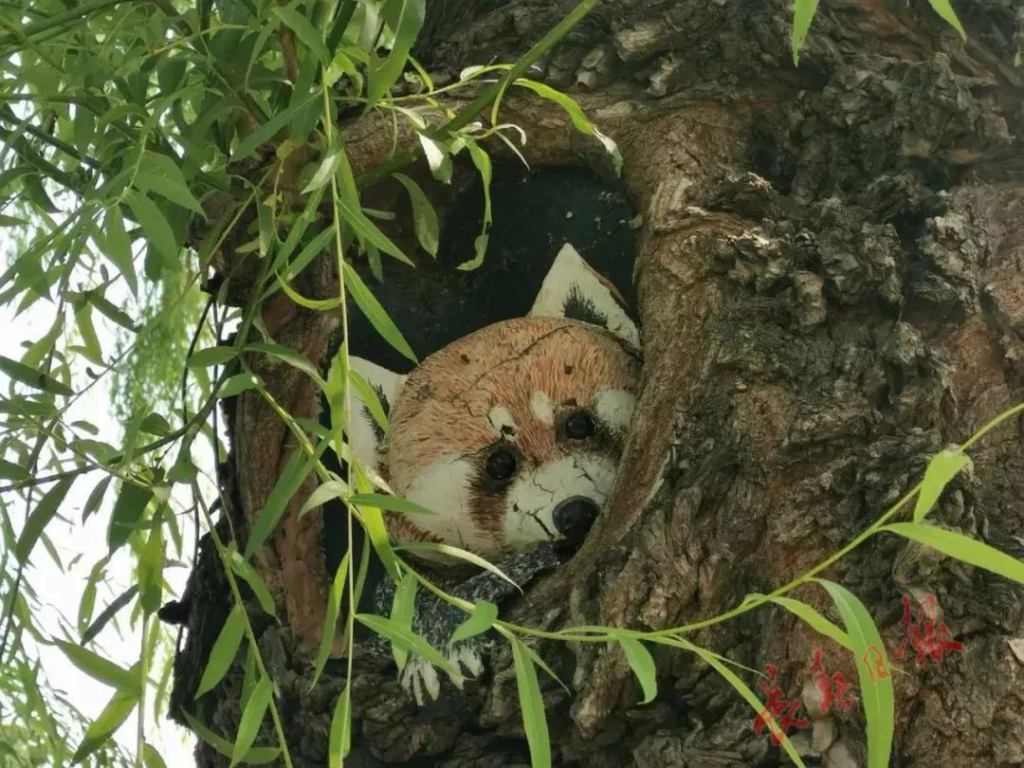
(60,592)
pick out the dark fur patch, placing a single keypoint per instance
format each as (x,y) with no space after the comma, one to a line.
(579,307)
(378,432)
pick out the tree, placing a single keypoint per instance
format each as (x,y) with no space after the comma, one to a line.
(829,286)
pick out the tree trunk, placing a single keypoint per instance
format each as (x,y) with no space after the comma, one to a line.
(830,277)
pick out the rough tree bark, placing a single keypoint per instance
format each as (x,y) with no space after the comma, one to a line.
(830,275)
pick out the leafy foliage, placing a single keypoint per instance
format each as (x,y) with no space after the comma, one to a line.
(146,147)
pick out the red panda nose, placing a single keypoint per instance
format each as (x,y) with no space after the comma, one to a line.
(574,517)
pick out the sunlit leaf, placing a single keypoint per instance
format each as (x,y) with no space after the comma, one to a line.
(405,17)
(803,15)
(642,664)
(154,225)
(406,639)
(482,619)
(252,718)
(872,670)
(32,377)
(203,358)
(99,668)
(255,755)
(224,649)
(531,701)
(104,726)
(961,547)
(945,10)
(943,467)
(303,30)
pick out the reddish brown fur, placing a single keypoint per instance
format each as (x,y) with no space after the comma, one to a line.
(444,406)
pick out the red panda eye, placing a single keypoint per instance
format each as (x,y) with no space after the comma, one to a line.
(501,464)
(578,425)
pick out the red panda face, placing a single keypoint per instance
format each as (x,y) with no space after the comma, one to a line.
(511,435)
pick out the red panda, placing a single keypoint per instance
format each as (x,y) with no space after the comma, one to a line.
(512,434)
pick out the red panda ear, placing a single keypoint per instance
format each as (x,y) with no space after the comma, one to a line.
(573,290)
(374,392)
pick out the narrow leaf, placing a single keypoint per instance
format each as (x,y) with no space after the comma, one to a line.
(944,466)
(406,639)
(872,670)
(482,619)
(259,587)
(405,17)
(32,377)
(267,131)
(104,726)
(532,703)
(961,547)
(204,358)
(255,756)
(331,618)
(945,10)
(642,664)
(224,649)
(803,15)
(424,217)
(341,730)
(40,518)
(252,719)
(375,313)
(158,232)
(99,668)
(814,620)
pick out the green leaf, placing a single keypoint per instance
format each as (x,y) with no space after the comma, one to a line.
(290,356)
(255,755)
(108,613)
(532,703)
(406,639)
(439,158)
(96,497)
(741,688)
(813,619)
(32,377)
(238,384)
(99,668)
(40,518)
(579,120)
(158,232)
(943,467)
(642,664)
(267,131)
(303,30)
(401,614)
(482,161)
(292,476)
(961,547)
(872,669)
(131,503)
(160,174)
(331,489)
(259,587)
(151,757)
(204,358)
(331,618)
(803,15)
(368,231)
(424,217)
(104,726)
(155,424)
(151,568)
(324,173)
(341,729)
(12,471)
(252,719)
(390,503)
(405,17)
(945,10)
(375,313)
(461,554)
(224,649)
(482,619)
(117,247)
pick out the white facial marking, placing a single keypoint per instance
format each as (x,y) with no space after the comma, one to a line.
(532,498)
(444,489)
(502,422)
(614,407)
(540,406)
